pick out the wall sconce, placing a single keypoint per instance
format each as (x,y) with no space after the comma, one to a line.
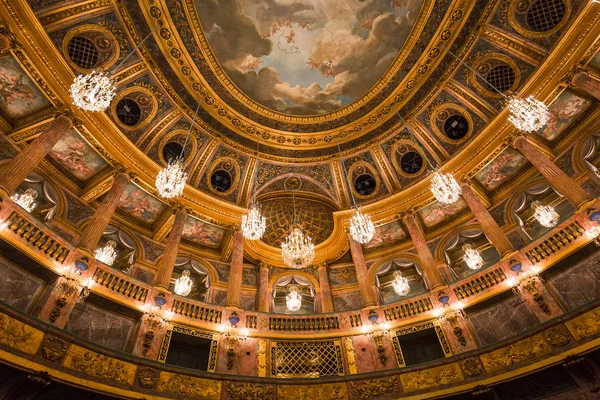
(530,281)
(451,315)
(594,234)
(85,291)
(377,332)
(233,336)
(153,321)
(68,285)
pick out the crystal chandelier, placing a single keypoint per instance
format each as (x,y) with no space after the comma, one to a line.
(93,92)
(26,200)
(108,253)
(400,284)
(293,300)
(472,257)
(184,284)
(253,223)
(297,250)
(445,188)
(545,215)
(361,227)
(170,181)
(529,114)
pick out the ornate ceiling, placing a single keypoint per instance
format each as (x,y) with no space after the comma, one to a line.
(297,78)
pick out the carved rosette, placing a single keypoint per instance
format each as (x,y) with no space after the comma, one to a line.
(54,348)
(147,377)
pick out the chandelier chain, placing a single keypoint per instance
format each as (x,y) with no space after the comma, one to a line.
(136,47)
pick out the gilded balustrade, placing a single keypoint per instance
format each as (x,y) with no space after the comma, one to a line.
(548,249)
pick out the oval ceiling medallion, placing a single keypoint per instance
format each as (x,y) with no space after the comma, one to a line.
(306,57)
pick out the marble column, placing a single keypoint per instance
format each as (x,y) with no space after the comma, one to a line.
(234,286)
(428,265)
(553,174)
(167,261)
(95,228)
(16,170)
(264,295)
(362,274)
(490,227)
(588,83)
(326,299)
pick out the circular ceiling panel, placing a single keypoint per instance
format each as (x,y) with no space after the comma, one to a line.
(306,57)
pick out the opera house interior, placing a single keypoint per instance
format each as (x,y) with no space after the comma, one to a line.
(299,199)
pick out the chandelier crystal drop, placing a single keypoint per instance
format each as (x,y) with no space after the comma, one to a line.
(298,251)
(107,253)
(170,181)
(184,284)
(529,114)
(361,227)
(445,188)
(545,215)
(93,92)
(253,223)
(26,200)
(400,284)
(472,257)
(293,300)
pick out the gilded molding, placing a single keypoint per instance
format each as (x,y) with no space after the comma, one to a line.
(431,378)
(100,365)
(189,386)
(16,334)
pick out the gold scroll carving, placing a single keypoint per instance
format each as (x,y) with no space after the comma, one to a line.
(16,334)
(262,358)
(375,387)
(331,391)
(189,386)
(351,356)
(585,325)
(431,378)
(100,366)
(515,353)
(249,391)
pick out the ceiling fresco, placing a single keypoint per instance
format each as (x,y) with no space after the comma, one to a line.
(306,56)
(18,94)
(78,157)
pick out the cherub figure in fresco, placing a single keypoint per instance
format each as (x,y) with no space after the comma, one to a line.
(202,233)
(496,172)
(367,23)
(137,203)
(73,156)
(563,111)
(12,88)
(255,63)
(290,37)
(312,64)
(329,70)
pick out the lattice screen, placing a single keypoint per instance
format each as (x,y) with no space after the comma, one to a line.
(545,14)
(306,359)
